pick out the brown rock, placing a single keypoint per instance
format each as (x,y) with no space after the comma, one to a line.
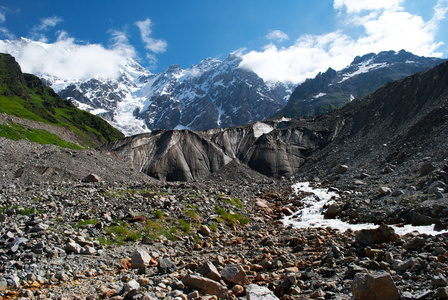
(208,286)
(374,286)
(209,270)
(382,234)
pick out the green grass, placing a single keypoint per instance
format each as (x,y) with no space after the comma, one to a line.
(86,222)
(231,218)
(122,234)
(18,132)
(233,201)
(158,214)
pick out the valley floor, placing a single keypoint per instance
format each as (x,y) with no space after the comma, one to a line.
(131,237)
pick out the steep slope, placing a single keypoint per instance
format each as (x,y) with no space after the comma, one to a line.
(409,115)
(26,96)
(363,76)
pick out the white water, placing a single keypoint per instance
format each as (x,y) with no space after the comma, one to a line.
(311,215)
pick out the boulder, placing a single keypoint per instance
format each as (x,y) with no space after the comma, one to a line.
(340,169)
(374,286)
(91,178)
(333,211)
(140,259)
(208,286)
(382,234)
(256,292)
(384,190)
(234,274)
(72,247)
(209,270)
(165,266)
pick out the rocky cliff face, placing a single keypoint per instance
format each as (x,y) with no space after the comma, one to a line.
(366,131)
(366,74)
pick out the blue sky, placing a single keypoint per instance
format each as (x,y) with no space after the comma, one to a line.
(286,40)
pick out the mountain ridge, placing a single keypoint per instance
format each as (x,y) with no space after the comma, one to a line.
(333,89)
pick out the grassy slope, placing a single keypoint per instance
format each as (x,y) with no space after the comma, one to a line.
(25,96)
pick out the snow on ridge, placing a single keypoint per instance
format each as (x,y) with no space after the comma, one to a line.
(364,67)
(261,128)
(319,95)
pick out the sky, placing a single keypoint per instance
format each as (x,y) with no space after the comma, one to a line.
(287,40)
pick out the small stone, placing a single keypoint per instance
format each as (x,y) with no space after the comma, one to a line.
(426,168)
(39,227)
(333,211)
(234,274)
(256,292)
(205,230)
(442,292)
(384,190)
(131,285)
(340,169)
(238,290)
(166,266)
(72,247)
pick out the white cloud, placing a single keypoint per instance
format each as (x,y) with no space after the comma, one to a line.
(357,6)
(154,45)
(385,26)
(38,32)
(2,17)
(65,59)
(277,35)
(120,43)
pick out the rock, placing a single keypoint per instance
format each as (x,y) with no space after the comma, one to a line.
(439,281)
(208,286)
(72,247)
(88,250)
(333,211)
(205,230)
(166,266)
(3,284)
(426,168)
(39,227)
(3,218)
(131,285)
(14,245)
(340,169)
(209,270)
(384,190)
(382,234)
(91,178)
(404,265)
(421,220)
(374,286)
(414,244)
(442,293)
(234,274)
(256,292)
(140,259)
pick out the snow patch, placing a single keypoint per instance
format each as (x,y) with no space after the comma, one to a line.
(364,67)
(261,128)
(319,95)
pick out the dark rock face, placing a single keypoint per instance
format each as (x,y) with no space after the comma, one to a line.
(333,89)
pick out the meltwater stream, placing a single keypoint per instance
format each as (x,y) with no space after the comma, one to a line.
(311,215)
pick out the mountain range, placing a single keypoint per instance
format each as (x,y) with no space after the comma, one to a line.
(403,121)
(333,89)
(220,94)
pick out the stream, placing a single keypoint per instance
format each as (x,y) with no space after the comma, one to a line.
(311,215)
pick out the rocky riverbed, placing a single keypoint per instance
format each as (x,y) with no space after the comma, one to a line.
(83,225)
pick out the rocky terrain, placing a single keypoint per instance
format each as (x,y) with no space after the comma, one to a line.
(87,224)
(118,234)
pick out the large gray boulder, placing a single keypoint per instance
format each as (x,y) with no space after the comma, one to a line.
(374,286)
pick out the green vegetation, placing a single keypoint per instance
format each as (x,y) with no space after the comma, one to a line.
(233,201)
(26,96)
(231,218)
(24,211)
(17,132)
(121,234)
(86,222)
(158,214)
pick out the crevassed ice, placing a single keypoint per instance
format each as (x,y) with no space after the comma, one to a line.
(311,215)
